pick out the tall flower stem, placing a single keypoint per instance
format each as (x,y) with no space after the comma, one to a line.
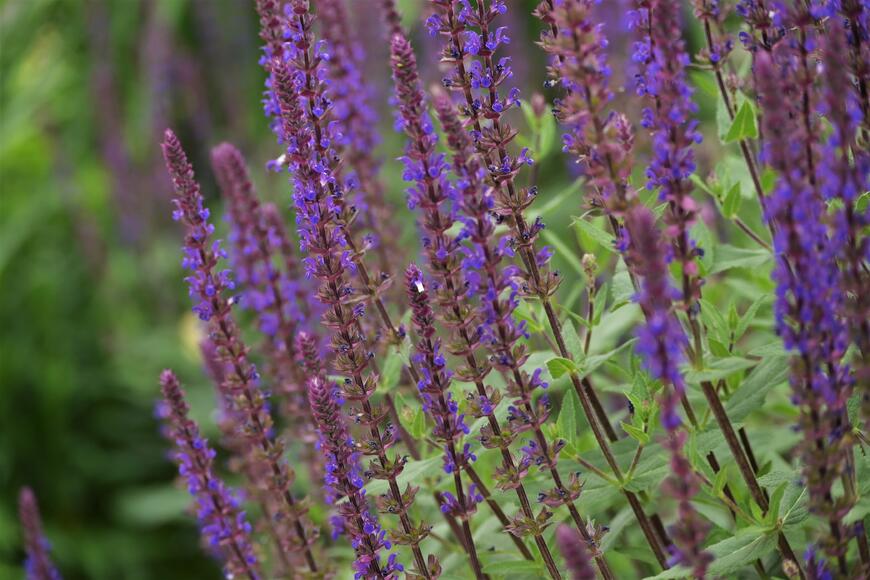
(430,193)
(438,402)
(325,238)
(240,385)
(492,144)
(223,525)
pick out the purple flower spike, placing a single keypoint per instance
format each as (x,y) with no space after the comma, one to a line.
(670,118)
(246,403)
(38,565)
(343,480)
(810,297)
(576,553)
(661,342)
(224,527)
(601,142)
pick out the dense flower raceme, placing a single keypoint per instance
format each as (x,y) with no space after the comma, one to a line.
(844,175)
(809,287)
(38,565)
(352,99)
(601,142)
(240,390)
(268,287)
(224,527)
(661,342)
(344,481)
(449,424)
(325,239)
(670,118)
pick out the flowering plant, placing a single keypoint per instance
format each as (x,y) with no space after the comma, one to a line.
(501,403)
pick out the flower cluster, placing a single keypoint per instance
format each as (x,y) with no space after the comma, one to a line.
(809,284)
(322,218)
(670,118)
(38,565)
(344,481)
(246,402)
(661,342)
(576,553)
(602,142)
(224,526)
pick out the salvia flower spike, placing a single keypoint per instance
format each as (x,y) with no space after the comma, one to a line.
(222,522)
(343,480)
(661,341)
(38,564)
(450,428)
(809,291)
(576,553)
(329,258)
(246,401)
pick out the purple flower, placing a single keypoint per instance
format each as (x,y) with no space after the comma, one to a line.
(38,565)
(576,553)
(809,283)
(661,342)
(601,141)
(343,480)
(224,527)
(240,391)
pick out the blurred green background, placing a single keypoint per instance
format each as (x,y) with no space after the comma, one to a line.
(93,300)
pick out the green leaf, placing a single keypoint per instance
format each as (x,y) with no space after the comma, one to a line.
(600,303)
(637,434)
(728,257)
(572,340)
(522,568)
(716,325)
(775,503)
(732,201)
(706,241)
(719,369)
(621,289)
(596,360)
(567,421)
(414,472)
(748,545)
(771,372)
(705,81)
(749,316)
(602,237)
(559,366)
(744,125)
(391,371)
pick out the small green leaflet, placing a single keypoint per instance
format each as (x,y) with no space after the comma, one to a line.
(770,373)
(567,421)
(728,257)
(604,238)
(732,201)
(730,555)
(414,471)
(559,366)
(719,369)
(572,340)
(744,125)
(635,433)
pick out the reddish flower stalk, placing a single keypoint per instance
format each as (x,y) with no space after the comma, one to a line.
(343,480)
(240,388)
(223,523)
(492,136)
(329,258)
(38,565)
(352,98)
(273,293)
(857,15)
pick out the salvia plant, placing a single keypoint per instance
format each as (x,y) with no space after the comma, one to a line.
(672,381)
